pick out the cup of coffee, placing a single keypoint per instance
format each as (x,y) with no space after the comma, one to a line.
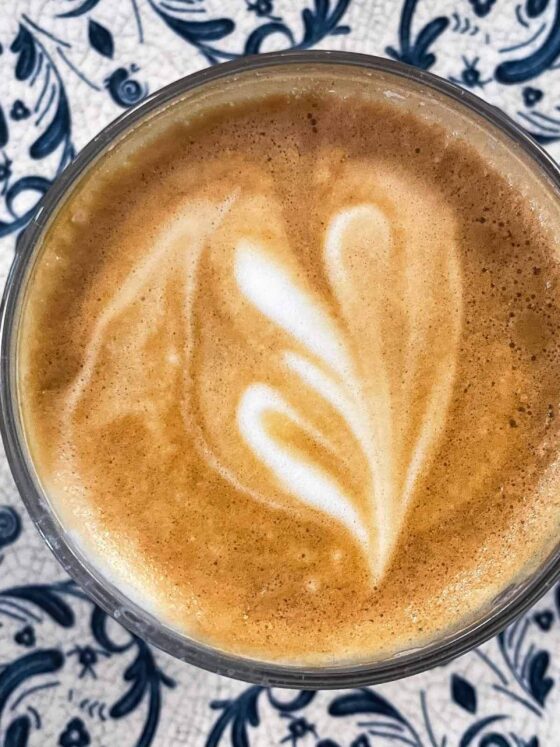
(280,370)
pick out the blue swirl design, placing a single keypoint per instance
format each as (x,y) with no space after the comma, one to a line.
(512,70)
(26,675)
(415,52)
(527,68)
(10,526)
(75,734)
(242,712)
(35,66)
(317,23)
(370,719)
(125,91)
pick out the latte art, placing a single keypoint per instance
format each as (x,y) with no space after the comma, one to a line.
(373,389)
(289,376)
(356,389)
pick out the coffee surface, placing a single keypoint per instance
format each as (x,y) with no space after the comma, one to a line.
(289,372)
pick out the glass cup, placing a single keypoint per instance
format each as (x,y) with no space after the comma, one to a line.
(495,133)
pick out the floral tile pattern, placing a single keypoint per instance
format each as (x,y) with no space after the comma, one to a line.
(69,675)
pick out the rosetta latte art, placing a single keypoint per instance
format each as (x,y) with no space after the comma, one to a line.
(344,359)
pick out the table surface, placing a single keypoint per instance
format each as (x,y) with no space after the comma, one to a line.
(69,675)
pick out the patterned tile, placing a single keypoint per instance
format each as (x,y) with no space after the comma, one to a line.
(71,676)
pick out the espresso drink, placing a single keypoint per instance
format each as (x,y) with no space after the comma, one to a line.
(288,368)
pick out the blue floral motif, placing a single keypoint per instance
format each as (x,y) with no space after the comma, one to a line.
(381,716)
(10,523)
(101,39)
(534,8)
(531,96)
(19,110)
(39,55)
(51,115)
(544,620)
(527,663)
(242,712)
(370,718)
(297,729)
(537,24)
(87,657)
(470,75)
(528,67)
(317,23)
(262,8)
(25,636)
(75,734)
(124,90)
(416,52)
(463,693)
(482,7)
(145,679)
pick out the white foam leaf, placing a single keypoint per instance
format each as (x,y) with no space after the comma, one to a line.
(369,380)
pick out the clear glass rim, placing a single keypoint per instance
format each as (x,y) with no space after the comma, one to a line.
(102,592)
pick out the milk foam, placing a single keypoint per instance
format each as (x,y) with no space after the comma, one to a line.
(362,228)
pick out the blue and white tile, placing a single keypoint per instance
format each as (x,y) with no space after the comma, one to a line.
(69,676)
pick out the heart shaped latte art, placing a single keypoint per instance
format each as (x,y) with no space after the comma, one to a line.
(318,361)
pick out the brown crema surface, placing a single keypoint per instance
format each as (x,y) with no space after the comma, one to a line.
(290,373)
